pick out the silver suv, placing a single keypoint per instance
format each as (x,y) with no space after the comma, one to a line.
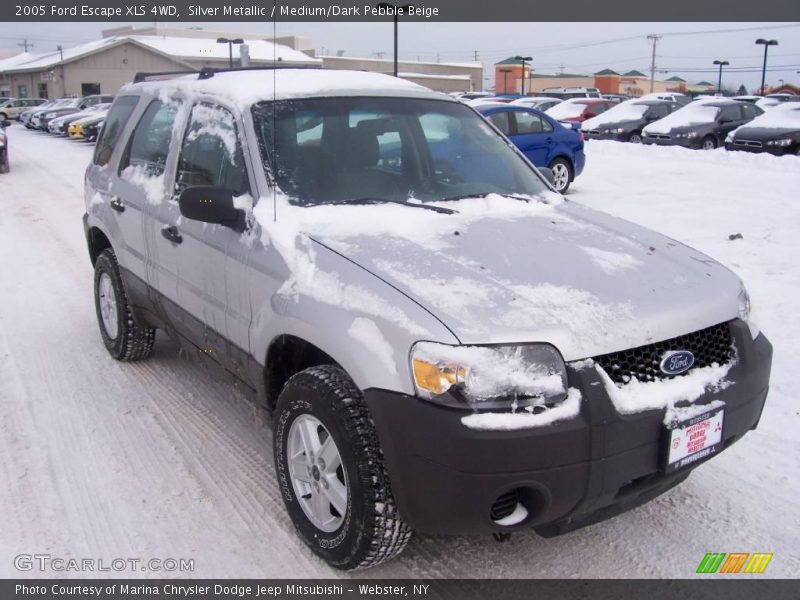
(445,344)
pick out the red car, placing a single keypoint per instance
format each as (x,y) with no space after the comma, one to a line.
(577,110)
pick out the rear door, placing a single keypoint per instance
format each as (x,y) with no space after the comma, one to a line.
(533,135)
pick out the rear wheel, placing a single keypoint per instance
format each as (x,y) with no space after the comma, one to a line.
(562,174)
(331,472)
(708,143)
(123,338)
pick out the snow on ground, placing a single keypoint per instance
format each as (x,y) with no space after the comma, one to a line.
(105,460)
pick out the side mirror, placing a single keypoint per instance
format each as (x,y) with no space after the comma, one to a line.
(548,175)
(5,123)
(211,204)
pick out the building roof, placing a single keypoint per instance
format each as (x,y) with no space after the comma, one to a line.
(559,76)
(511,61)
(676,78)
(177,48)
(634,73)
(705,83)
(607,72)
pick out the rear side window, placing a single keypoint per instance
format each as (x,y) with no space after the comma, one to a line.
(115,122)
(211,153)
(500,120)
(149,144)
(530,123)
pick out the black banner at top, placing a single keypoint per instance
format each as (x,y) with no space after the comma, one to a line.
(421,11)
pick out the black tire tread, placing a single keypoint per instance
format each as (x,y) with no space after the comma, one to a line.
(385,533)
(137,342)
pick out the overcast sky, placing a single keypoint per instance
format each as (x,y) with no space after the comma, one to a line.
(575,47)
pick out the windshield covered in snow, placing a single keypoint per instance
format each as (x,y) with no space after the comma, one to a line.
(569,109)
(786,116)
(626,111)
(325,150)
(692,114)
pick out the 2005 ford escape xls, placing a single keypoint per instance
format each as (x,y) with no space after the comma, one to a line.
(446,344)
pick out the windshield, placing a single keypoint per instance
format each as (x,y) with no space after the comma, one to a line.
(567,110)
(327,150)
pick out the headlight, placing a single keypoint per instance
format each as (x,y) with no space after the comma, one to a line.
(781,143)
(689,136)
(746,312)
(489,377)
(617,130)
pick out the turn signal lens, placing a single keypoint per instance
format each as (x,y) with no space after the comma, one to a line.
(437,378)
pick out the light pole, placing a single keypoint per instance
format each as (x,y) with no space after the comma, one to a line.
(395,11)
(721,64)
(505,73)
(522,59)
(230,47)
(766,44)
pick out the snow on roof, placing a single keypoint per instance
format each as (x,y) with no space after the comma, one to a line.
(179,48)
(17,59)
(433,76)
(471,65)
(244,88)
(784,116)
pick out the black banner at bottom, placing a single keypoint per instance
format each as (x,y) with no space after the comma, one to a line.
(351,589)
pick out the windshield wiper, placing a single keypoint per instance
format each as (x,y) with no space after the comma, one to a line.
(465,196)
(374,200)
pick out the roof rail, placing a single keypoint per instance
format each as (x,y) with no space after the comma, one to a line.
(209,72)
(141,76)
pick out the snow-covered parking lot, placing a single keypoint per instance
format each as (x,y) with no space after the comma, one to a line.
(156,460)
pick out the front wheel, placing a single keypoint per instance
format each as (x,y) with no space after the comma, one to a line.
(708,143)
(331,472)
(123,338)
(635,137)
(562,174)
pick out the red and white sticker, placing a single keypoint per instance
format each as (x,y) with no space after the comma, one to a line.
(692,442)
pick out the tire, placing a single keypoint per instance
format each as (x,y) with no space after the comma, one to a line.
(4,165)
(708,143)
(320,406)
(635,137)
(4,116)
(562,171)
(123,338)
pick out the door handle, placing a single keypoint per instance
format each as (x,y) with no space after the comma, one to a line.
(171,233)
(117,205)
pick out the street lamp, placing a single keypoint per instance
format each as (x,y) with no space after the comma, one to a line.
(395,11)
(522,59)
(721,64)
(230,47)
(505,73)
(766,44)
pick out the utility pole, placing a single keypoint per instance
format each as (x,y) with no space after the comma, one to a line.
(25,44)
(653,38)
(475,56)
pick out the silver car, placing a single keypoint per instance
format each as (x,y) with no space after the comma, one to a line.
(446,344)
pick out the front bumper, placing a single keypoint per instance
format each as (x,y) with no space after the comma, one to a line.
(693,143)
(446,477)
(617,137)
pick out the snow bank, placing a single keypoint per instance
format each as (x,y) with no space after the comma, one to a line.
(526,418)
(695,113)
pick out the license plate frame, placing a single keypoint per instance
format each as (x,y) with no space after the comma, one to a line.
(693,439)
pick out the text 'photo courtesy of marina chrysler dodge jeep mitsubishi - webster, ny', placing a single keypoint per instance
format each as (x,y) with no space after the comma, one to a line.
(446,345)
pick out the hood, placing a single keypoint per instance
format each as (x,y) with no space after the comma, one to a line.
(626,124)
(763,134)
(584,281)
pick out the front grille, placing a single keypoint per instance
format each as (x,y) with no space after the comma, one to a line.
(751,143)
(709,346)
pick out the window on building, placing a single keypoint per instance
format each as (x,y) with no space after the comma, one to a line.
(149,145)
(43,90)
(211,153)
(90,89)
(22,91)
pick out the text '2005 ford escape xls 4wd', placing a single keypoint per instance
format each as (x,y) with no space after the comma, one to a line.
(446,344)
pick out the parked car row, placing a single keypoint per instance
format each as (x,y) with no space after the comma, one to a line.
(39,117)
(10,108)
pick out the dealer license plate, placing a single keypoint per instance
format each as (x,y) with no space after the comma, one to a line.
(694,439)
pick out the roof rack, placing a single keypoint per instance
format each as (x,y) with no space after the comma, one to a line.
(209,72)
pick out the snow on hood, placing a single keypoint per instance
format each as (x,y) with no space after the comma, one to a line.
(507,271)
(625,111)
(785,116)
(696,113)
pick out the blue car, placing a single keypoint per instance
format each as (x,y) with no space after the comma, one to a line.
(543,140)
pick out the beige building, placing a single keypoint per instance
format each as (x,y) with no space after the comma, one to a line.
(107,64)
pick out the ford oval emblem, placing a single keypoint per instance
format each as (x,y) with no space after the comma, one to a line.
(677,362)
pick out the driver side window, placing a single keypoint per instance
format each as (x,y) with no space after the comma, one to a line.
(211,153)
